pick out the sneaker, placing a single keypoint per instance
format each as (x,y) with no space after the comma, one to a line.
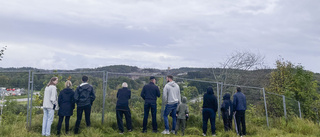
(121,133)
(144,131)
(214,135)
(166,132)
(155,131)
(203,134)
(173,132)
(130,130)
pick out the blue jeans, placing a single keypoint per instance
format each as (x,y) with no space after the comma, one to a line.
(48,114)
(206,114)
(173,109)
(147,107)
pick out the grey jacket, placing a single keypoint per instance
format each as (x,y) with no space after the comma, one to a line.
(50,97)
(183,109)
(171,93)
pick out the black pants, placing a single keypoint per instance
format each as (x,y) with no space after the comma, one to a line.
(240,118)
(227,121)
(208,113)
(87,111)
(127,114)
(147,107)
(60,124)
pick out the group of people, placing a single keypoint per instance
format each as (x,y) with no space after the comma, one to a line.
(65,104)
(179,110)
(175,106)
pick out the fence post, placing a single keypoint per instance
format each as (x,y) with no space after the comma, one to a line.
(284,106)
(299,109)
(29,82)
(30,113)
(265,106)
(105,85)
(218,100)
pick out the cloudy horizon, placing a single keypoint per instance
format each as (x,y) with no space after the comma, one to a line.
(70,34)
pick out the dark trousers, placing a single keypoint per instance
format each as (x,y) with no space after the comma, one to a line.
(87,111)
(227,121)
(208,113)
(240,118)
(147,107)
(127,114)
(181,123)
(60,124)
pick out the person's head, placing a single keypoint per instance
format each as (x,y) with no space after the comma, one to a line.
(226,96)
(85,78)
(184,100)
(124,84)
(153,79)
(68,84)
(53,81)
(210,90)
(238,89)
(169,78)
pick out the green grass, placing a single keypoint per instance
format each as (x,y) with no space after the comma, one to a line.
(14,126)
(15,97)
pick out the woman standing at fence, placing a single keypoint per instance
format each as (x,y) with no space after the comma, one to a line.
(49,104)
(122,107)
(66,104)
(209,109)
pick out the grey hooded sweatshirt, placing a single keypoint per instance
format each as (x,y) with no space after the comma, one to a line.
(171,93)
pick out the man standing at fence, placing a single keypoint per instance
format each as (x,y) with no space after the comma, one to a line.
(171,98)
(239,108)
(149,93)
(84,97)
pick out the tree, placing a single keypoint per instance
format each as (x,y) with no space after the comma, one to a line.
(239,60)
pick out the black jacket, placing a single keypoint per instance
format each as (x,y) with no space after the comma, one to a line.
(209,100)
(66,102)
(84,95)
(227,106)
(123,95)
(150,92)
(239,101)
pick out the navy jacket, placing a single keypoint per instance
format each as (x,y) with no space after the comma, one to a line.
(123,95)
(66,102)
(150,92)
(209,100)
(239,101)
(84,95)
(227,106)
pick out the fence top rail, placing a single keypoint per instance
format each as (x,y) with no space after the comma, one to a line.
(242,86)
(197,80)
(134,74)
(66,72)
(14,71)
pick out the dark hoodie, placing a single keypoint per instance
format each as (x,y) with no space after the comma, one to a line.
(227,106)
(66,102)
(84,95)
(183,109)
(209,100)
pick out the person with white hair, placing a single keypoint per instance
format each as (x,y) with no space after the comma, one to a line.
(122,107)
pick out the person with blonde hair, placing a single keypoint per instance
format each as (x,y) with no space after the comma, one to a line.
(122,107)
(49,104)
(66,104)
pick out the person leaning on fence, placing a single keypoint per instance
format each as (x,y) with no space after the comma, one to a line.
(122,107)
(209,109)
(149,93)
(84,97)
(49,105)
(170,98)
(182,114)
(66,106)
(227,111)
(239,108)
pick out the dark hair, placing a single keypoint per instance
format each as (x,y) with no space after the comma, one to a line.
(85,78)
(51,81)
(170,77)
(238,89)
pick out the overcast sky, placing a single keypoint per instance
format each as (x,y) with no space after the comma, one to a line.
(69,34)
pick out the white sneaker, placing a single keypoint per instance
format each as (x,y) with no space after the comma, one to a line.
(203,134)
(214,135)
(173,132)
(166,132)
